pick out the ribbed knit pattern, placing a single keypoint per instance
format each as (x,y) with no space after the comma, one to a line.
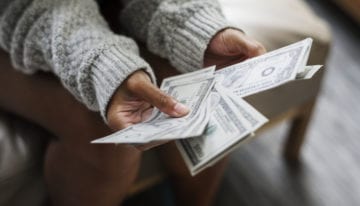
(72,40)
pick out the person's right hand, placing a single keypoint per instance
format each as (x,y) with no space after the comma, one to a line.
(134,100)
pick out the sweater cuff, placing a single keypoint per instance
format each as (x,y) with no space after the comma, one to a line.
(190,42)
(110,69)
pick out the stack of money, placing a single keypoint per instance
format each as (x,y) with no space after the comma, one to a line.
(219,119)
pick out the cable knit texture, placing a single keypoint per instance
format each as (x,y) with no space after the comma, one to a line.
(72,40)
(178,30)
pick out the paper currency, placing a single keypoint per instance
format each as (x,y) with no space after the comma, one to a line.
(232,121)
(266,71)
(188,78)
(220,120)
(162,127)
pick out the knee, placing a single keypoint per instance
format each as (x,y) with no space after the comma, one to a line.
(109,156)
(105,160)
(82,126)
(74,142)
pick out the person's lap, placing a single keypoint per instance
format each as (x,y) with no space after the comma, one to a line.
(41,99)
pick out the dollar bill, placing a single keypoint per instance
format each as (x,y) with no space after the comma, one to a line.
(253,116)
(162,127)
(231,122)
(266,71)
(188,77)
(220,120)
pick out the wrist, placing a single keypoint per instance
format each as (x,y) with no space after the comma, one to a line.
(112,67)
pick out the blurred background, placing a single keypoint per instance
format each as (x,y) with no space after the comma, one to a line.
(328,172)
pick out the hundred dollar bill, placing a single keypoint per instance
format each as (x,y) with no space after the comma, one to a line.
(162,127)
(266,71)
(231,122)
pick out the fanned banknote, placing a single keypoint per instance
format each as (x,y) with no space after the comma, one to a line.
(232,121)
(162,127)
(219,120)
(266,71)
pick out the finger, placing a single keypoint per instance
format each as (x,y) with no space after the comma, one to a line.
(121,120)
(163,102)
(159,99)
(246,45)
(146,113)
(254,48)
(238,43)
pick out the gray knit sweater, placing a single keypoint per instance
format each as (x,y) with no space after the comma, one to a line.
(72,40)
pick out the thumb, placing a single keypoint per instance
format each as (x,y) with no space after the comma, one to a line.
(233,42)
(159,99)
(240,43)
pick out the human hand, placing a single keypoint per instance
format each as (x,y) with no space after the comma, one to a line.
(231,46)
(134,100)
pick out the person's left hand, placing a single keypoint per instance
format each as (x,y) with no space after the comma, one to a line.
(231,46)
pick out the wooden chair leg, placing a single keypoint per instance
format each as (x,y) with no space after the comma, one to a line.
(297,131)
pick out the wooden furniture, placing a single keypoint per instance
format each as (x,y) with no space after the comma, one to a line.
(352,7)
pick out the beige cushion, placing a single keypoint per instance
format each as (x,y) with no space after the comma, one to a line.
(276,23)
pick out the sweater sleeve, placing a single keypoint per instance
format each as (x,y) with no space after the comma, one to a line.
(178,30)
(72,40)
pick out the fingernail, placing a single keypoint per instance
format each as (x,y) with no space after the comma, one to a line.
(181,109)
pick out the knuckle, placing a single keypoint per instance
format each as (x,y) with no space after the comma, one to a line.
(164,100)
(258,49)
